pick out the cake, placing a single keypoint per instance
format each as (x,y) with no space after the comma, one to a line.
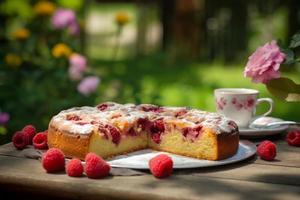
(111,129)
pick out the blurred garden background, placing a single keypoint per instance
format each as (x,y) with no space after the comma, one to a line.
(64,53)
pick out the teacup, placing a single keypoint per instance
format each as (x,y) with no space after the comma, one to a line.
(239,104)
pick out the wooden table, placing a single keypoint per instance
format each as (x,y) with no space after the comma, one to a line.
(251,179)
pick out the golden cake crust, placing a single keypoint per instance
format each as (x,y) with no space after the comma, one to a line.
(73,145)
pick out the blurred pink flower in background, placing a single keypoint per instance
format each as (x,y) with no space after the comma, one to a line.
(88,85)
(78,64)
(63,18)
(263,65)
(74,28)
(78,61)
(4,118)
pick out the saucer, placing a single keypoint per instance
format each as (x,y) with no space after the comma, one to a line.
(262,132)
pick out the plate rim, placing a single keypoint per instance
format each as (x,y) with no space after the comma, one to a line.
(250,145)
(263,132)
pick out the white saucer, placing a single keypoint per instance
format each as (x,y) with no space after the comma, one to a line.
(140,159)
(261,132)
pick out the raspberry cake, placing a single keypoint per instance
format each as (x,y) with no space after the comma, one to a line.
(111,129)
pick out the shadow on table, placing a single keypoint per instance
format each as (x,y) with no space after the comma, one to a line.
(212,188)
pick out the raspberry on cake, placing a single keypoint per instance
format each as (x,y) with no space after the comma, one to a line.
(111,129)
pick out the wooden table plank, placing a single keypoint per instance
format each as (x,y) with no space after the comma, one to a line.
(236,183)
(255,173)
(286,155)
(240,171)
(250,179)
(177,187)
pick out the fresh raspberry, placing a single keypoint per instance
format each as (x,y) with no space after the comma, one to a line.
(115,134)
(30,131)
(40,141)
(157,126)
(156,137)
(102,106)
(74,168)
(20,140)
(293,138)
(53,160)
(95,166)
(73,117)
(132,132)
(192,132)
(161,166)
(90,156)
(266,150)
(181,112)
(144,123)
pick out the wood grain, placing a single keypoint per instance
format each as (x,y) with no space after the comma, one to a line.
(251,179)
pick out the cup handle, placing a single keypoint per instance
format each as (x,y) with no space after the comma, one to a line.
(271,103)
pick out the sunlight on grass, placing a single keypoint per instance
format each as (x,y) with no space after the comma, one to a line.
(201,95)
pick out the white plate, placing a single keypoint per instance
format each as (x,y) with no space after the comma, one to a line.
(140,159)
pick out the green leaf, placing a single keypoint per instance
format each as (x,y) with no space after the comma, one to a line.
(74,4)
(17,7)
(285,89)
(295,42)
(3,130)
(289,56)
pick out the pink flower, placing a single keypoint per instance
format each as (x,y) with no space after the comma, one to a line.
(4,118)
(88,85)
(74,28)
(78,65)
(78,61)
(263,65)
(63,18)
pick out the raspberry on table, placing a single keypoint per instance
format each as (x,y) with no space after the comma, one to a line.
(74,168)
(53,160)
(95,166)
(90,156)
(30,131)
(20,140)
(266,150)
(293,138)
(40,141)
(161,166)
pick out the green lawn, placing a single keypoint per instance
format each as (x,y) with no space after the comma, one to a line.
(155,79)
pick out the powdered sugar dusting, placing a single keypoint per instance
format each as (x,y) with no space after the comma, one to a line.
(125,116)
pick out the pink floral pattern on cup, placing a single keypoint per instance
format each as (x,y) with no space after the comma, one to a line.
(243,103)
(221,103)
